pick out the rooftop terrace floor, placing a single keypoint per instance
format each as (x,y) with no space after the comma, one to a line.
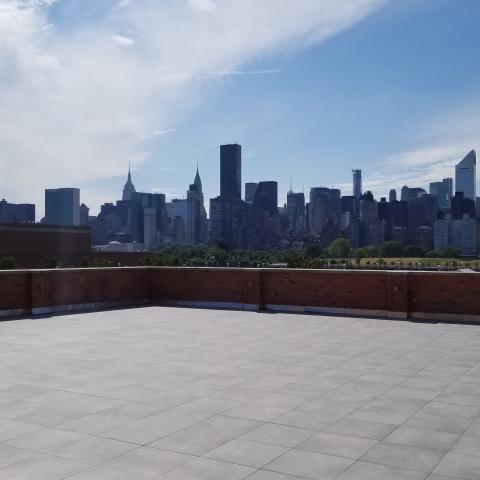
(184,394)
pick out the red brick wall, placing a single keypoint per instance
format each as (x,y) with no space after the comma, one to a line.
(53,288)
(336,289)
(15,290)
(444,293)
(408,293)
(198,284)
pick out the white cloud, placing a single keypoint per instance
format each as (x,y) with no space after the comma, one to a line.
(227,73)
(438,148)
(123,40)
(75,107)
(203,5)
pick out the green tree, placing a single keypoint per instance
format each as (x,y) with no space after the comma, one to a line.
(451,252)
(339,248)
(48,263)
(391,249)
(8,263)
(358,254)
(314,250)
(413,251)
(294,259)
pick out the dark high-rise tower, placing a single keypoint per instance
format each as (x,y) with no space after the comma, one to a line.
(266,197)
(357,184)
(231,171)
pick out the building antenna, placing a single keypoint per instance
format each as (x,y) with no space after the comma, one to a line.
(291,188)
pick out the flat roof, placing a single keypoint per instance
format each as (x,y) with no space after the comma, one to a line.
(179,394)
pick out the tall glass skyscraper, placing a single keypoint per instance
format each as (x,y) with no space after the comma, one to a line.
(231,171)
(443,191)
(466,176)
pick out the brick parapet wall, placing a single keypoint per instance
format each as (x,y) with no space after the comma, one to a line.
(423,295)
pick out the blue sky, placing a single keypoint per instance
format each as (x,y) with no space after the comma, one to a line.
(391,87)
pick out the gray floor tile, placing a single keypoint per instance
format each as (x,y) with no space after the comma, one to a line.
(46,440)
(42,467)
(402,456)
(250,454)
(157,426)
(282,435)
(311,465)
(208,469)
(372,471)
(94,450)
(339,445)
(437,423)
(10,455)
(423,438)
(357,427)
(102,473)
(206,435)
(10,429)
(468,445)
(148,462)
(459,466)
(268,475)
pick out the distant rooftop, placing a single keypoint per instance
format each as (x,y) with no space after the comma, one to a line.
(180,394)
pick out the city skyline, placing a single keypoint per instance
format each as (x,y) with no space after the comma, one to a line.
(452,185)
(386,86)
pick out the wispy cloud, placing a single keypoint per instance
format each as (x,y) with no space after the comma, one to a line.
(77,100)
(441,144)
(226,73)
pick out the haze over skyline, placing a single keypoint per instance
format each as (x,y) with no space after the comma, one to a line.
(310,88)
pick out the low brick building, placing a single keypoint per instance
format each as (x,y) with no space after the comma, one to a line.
(31,243)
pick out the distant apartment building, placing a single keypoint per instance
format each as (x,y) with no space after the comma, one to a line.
(16,212)
(462,234)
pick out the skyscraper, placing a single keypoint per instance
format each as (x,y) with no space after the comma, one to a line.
(62,206)
(325,207)
(250,189)
(196,214)
(443,191)
(392,196)
(266,197)
(84,215)
(231,171)
(465,176)
(357,184)
(129,187)
(296,212)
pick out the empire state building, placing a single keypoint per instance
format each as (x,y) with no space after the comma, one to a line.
(129,187)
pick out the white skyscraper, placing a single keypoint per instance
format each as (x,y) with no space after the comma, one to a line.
(466,176)
(357,183)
